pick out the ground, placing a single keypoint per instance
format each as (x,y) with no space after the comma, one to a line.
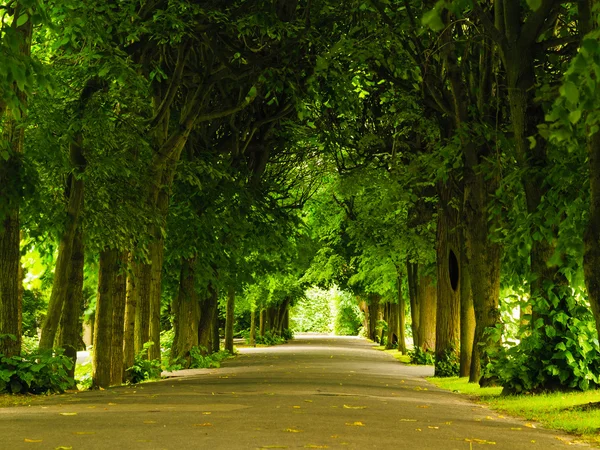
(314,392)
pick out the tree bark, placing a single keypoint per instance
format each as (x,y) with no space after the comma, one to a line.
(69,336)
(117,371)
(253,327)
(263,319)
(229,319)
(208,309)
(401,318)
(373,302)
(143,281)
(392,330)
(427,313)
(130,308)
(413,292)
(467,315)
(75,196)
(10,197)
(103,324)
(186,314)
(157,258)
(215,343)
(447,334)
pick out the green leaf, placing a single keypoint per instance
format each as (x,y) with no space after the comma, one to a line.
(433,20)
(534,4)
(23,18)
(570,91)
(574,116)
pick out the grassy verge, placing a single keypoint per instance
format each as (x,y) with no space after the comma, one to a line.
(7,400)
(573,412)
(395,353)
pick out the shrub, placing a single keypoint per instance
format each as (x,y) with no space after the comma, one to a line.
(448,365)
(201,360)
(270,338)
(421,357)
(144,369)
(36,373)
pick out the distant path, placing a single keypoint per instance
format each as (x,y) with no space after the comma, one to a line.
(315,392)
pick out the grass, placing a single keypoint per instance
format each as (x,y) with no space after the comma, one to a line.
(395,353)
(573,412)
(8,400)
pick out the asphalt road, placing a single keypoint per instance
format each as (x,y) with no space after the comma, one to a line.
(314,392)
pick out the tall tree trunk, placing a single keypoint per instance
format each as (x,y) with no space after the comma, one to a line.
(413,293)
(447,334)
(130,308)
(75,194)
(186,314)
(157,258)
(143,281)
(117,371)
(208,310)
(427,312)
(215,342)
(10,196)
(401,318)
(230,319)
(263,320)
(69,336)
(467,315)
(392,321)
(253,327)
(591,256)
(373,301)
(103,324)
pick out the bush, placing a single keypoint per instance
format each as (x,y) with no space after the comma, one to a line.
(144,369)
(421,357)
(36,373)
(270,338)
(200,360)
(559,352)
(448,365)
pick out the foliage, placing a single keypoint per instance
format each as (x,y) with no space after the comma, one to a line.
(313,313)
(201,360)
(83,375)
(348,316)
(144,369)
(34,306)
(421,357)
(559,351)
(447,365)
(270,338)
(36,373)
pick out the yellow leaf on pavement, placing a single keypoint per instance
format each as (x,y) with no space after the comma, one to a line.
(355,424)
(292,430)
(205,424)
(33,440)
(354,407)
(68,414)
(408,420)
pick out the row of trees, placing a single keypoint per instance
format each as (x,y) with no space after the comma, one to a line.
(427,156)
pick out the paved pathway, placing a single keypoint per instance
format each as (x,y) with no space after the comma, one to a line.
(315,392)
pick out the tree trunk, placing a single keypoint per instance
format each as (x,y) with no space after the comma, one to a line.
(281,312)
(413,292)
(263,319)
(467,315)
(117,371)
(157,258)
(253,327)
(208,309)
(427,312)
(229,319)
(103,324)
(186,313)
(69,336)
(392,330)
(10,195)
(373,301)
(447,334)
(401,318)
(130,308)
(591,256)
(143,281)
(215,343)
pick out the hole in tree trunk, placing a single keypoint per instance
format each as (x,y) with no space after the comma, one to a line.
(453,270)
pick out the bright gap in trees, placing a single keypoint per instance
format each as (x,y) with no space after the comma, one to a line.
(453,270)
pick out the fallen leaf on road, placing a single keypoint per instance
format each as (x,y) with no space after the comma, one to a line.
(434,428)
(296,407)
(274,446)
(408,420)
(68,414)
(292,430)
(316,446)
(149,421)
(206,413)
(418,429)
(33,440)
(423,406)
(84,432)
(63,448)
(480,441)
(354,407)
(516,429)
(355,424)
(205,424)
(308,401)
(112,404)
(530,425)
